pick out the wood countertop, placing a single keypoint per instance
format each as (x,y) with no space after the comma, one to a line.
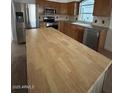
(57,63)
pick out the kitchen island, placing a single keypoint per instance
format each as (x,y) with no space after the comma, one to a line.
(56,63)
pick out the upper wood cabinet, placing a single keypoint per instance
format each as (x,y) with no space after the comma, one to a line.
(76,32)
(102,7)
(43,3)
(63,8)
(73,8)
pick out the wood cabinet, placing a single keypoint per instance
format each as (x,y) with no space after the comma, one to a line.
(77,32)
(73,8)
(43,3)
(102,7)
(54,5)
(102,38)
(63,9)
(73,31)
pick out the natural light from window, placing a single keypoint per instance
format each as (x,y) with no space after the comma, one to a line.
(32,15)
(86,11)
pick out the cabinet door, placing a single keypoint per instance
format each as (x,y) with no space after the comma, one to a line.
(102,7)
(102,38)
(66,28)
(63,8)
(60,26)
(80,34)
(63,27)
(76,32)
(73,31)
(56,6)
(71,8)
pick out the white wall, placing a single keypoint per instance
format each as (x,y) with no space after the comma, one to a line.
(13,23)
(108,43)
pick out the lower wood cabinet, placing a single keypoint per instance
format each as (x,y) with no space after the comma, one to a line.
(102,39)
(73,31)
(77,32)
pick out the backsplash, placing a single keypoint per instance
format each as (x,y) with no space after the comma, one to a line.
(101,21)
(57,17)
(73,18)
(62,17)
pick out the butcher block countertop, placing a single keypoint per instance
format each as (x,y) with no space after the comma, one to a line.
(57,63)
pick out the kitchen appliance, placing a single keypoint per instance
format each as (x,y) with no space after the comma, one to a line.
(20,27)
(31,16)
(49,11)
(26,18)
(50,22)
(91,37)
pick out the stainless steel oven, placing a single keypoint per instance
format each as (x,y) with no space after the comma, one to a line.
(50,22)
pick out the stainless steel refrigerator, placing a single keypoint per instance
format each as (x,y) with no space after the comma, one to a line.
(26,18)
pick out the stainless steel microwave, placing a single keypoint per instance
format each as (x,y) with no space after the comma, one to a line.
(49,11)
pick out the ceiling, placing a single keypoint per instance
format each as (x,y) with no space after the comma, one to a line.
(63,1)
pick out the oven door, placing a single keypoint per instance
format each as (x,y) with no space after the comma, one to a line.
(54,25)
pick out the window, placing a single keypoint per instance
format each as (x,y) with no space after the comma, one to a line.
(32,14)
(86,11)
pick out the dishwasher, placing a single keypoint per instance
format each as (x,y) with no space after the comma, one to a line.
(91,37)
